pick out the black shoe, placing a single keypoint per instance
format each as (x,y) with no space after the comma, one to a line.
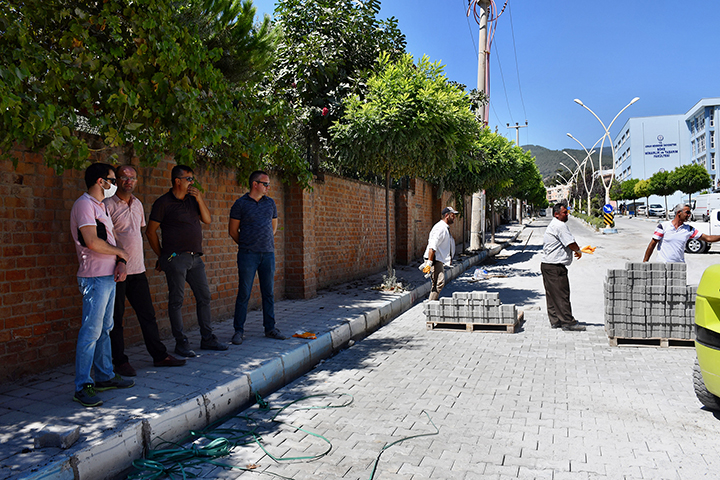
(169,361)
(87,397)
(237,338)
(183,349)
(113,383)
(574,327)
(212,344)
(276,334)
(125,370)
(556,325)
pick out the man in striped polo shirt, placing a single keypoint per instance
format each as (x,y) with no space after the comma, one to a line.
(671,237)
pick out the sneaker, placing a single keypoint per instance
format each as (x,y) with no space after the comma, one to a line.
(276,334)
(113,383)
(170,361)
(212,344)
(183,349)
(87,397)
(237,338)
(125,370)
(574,327)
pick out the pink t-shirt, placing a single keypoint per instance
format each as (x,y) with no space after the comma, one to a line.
(128,220)
(85,211)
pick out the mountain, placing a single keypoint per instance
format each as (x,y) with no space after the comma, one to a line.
(548,161)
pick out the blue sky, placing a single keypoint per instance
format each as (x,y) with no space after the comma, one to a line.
(604,53)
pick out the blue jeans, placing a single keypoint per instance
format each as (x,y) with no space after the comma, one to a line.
(93,343)
(190,268)
(248,264)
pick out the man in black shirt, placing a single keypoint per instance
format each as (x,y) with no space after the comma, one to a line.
(178,214)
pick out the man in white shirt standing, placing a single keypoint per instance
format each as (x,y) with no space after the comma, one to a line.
(440,250)
(558,247)
(671,237)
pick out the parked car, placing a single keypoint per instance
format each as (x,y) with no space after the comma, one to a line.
(656,210)
(642,210)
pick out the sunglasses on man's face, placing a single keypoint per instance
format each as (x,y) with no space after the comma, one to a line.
(267,184)
(110,180)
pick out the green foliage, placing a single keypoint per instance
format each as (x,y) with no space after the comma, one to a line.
(690,178)
(642,189)
(662,184)
(410,122)
(327,50)
(628,189)
(591,220)
(616,191)
(154,76)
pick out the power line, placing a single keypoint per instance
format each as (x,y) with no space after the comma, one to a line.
(502,77)
(470,29)
(517,67)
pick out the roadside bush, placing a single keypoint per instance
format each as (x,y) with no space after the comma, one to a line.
(593,221)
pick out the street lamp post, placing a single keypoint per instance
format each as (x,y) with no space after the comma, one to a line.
(583,165)
(612,145)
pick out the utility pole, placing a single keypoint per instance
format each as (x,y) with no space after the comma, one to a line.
(477,217)
(517,128)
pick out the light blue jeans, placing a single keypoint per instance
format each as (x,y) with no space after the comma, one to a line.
(93,343)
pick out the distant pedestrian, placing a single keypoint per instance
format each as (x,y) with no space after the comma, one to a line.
(128,218)
(102,264)
(253,223)
(440,250)
(558,247)
(670,237)
(178,214)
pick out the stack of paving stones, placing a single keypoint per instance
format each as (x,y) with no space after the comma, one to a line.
(650,300)
(471,307)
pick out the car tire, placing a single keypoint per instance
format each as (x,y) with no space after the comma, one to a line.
(707,247)
(705,218)
(695,245)
(709,400)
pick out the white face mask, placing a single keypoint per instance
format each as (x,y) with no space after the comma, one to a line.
(110,191)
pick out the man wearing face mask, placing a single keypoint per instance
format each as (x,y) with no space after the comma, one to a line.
(102,264)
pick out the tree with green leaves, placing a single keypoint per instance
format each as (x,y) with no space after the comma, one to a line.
(325,54)
(642,189)
(661,184)
(410,121)
(154,77)
(628,190)
(690,179)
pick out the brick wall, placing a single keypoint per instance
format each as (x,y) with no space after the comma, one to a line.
(332,233)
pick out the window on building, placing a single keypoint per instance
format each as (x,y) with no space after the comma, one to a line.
(712,161)
(701,122)
(693,148)
(712,117)
(712,139)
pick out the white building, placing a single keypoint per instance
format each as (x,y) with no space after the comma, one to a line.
(701,121)
(646,145)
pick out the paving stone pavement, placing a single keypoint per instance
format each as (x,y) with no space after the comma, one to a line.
(176,400)
(537,404)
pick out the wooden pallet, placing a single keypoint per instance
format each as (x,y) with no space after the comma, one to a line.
(651,342)
(476,327)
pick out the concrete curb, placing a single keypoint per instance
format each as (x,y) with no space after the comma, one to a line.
(110,456)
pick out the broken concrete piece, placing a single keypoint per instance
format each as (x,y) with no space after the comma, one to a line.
(56,436)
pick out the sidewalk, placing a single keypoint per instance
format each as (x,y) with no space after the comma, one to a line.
(169,402)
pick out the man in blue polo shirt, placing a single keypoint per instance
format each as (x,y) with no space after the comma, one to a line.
(253,223)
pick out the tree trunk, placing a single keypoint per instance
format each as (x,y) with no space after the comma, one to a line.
(492,222)
(387,222)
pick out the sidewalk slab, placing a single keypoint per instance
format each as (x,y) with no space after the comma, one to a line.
(165,404)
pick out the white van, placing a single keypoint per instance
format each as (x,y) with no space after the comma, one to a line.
(703,204)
